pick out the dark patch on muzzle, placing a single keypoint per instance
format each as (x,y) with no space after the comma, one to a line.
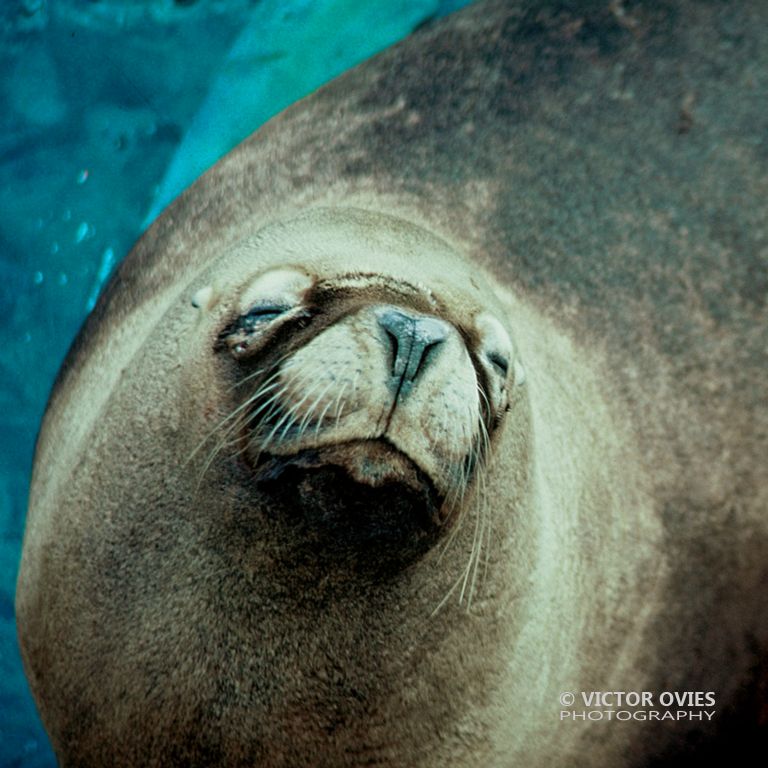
(363,505)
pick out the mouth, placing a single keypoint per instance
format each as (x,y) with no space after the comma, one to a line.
(359,498)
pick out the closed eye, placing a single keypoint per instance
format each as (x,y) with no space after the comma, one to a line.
(262,314)
(500,362)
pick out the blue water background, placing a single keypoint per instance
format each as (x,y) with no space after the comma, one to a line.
(108,109)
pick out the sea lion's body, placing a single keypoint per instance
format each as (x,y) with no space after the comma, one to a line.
(581,162)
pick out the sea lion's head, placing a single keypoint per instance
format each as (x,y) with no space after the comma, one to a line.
(363,375)
(304,456)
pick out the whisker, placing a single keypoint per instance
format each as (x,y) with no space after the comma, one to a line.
(289,413)
(246,379)
(475,458)
(232,415)
(445,599)
(266,411)
(468,568)
(340,406)
(236,421)
(301,402)
(275,364)
(322,417)
(308,417)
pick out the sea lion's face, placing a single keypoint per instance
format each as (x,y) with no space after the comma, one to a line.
(363,402)
(258,513)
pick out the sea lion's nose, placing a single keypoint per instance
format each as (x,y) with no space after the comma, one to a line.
(412,338)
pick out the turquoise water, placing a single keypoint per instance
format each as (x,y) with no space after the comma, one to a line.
(108,109)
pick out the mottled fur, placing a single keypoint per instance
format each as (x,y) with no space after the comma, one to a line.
(605,167)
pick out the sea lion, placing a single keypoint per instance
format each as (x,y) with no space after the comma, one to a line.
(438,400)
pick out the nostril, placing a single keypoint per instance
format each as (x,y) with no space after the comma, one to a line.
(398,327)
(428,333)
(397,362)
(412,338)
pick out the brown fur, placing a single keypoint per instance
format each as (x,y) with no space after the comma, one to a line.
(629,540)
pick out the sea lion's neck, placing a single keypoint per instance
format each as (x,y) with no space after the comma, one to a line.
(596,528)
